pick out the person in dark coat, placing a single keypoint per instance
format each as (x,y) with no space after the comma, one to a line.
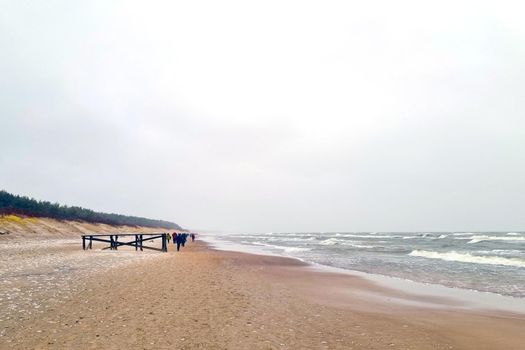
(179,241)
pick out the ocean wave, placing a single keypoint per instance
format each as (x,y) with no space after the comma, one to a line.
(504,252)
(469,258)
(513,234)
(295,249)
(352,235)
(289,239)
(286,249)
(331,241)
(356,245)
(477,239)
(344,242)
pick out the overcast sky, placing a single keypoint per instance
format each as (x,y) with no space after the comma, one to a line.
(269,115)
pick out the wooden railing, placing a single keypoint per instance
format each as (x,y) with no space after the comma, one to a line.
(137,240)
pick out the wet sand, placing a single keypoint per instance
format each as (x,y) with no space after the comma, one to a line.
(200,298)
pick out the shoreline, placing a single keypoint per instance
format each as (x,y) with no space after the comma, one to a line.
(468,299)
(203,298)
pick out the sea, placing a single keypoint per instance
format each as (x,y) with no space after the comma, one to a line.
(482,261)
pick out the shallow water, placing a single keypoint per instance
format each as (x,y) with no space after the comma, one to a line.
(483,261)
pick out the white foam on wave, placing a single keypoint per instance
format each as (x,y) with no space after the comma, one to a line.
(477,239)
(463,234)
(359,245)
(294,249)
(331,241)
(343,242)
(513,234)
(352,235)
(468,258)
(286,249)
(289,239)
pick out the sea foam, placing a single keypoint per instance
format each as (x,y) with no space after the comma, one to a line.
(331,241)
(477,239)
(469,258)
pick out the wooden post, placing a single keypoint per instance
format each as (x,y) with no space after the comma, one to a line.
(84,242)
(90,242)
(136,242)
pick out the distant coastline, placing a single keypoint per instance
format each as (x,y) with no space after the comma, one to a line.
(25,207)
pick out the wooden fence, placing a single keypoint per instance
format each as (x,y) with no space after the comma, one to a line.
(123,239)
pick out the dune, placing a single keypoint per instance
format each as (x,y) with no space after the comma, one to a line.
(14,227)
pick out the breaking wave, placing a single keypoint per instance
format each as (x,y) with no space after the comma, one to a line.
(331,241)
(477,239)
(286,249)
(469,258)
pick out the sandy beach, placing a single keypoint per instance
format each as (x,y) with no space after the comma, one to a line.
(201,298)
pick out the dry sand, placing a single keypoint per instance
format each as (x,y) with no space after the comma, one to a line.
(200,298)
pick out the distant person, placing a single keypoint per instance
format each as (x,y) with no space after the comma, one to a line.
(168,236)
(193,237)
(179,241)
(184,237)
(174,235)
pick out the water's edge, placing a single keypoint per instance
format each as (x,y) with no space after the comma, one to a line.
(463,298)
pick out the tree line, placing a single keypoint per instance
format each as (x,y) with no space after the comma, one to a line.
(14,204)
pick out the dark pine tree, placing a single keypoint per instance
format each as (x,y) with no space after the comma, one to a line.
(14,204)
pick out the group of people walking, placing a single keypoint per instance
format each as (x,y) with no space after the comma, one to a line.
(180,238)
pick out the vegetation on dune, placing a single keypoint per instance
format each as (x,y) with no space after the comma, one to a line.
(14,204)
(13,218)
